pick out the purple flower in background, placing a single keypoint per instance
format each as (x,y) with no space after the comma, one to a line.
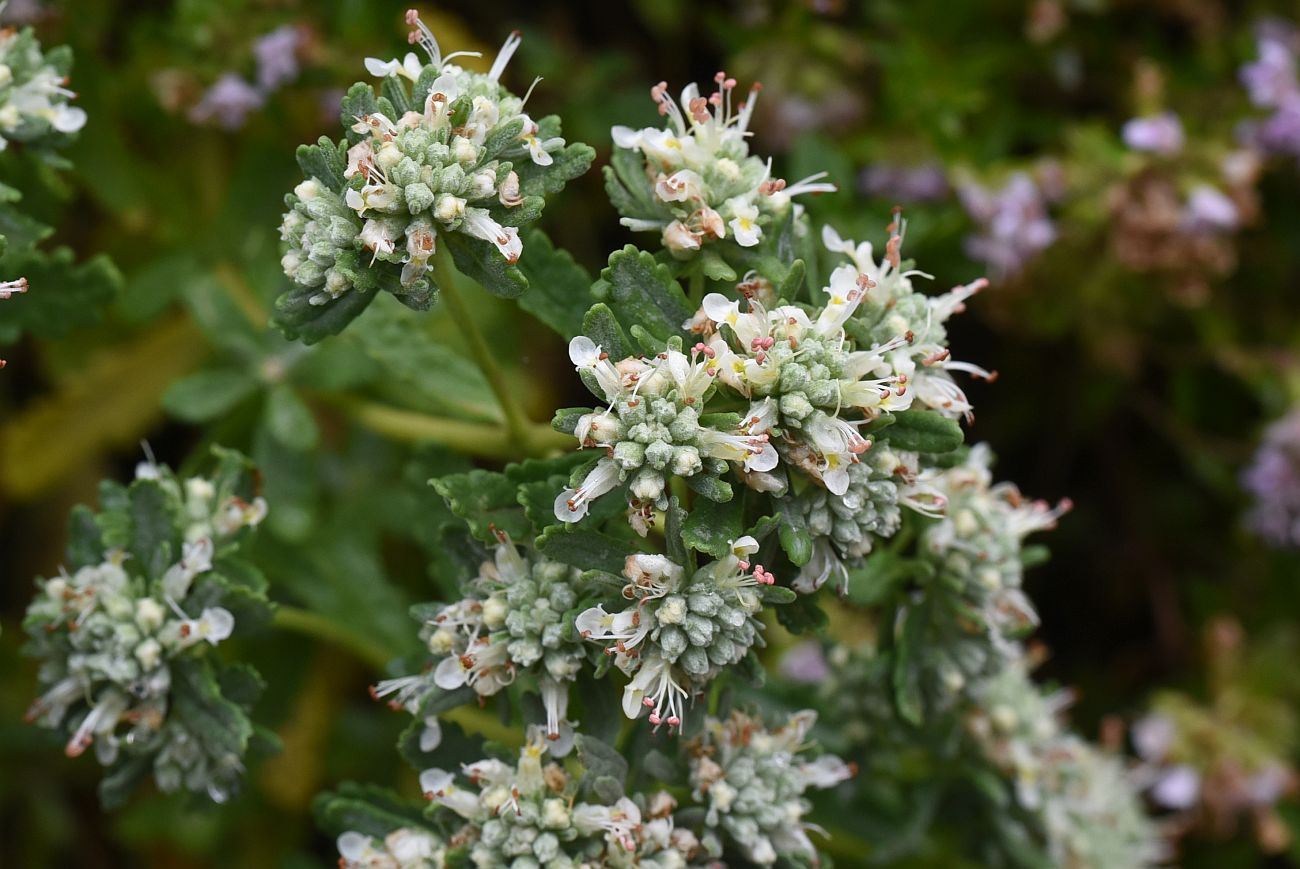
(805,663)
(1159,134)
(1013,221)
(277,58)
(1273,480)
(1271,80)
(1272,84)
(927,182)
(1209,209)
(227,103)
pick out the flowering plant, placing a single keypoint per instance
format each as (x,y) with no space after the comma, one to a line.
(624,656)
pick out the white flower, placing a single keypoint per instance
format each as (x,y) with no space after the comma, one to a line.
(682,185)
(572,504)
(744,225)
(680,240)
(478,223)
(408,67)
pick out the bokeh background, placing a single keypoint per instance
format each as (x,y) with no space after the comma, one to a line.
(1144,320)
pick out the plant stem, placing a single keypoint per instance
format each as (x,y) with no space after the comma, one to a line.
(480,439)
(516,422)
(697,286)
(327,630)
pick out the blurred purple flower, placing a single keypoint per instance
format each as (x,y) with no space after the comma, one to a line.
(1209,209)
(805,663)
(907,184)
(277,58)
(1013,221)
(1271,80)
(1159,134)
(227,103)
(1273,479)
(1153,736)
(1272,84)
(21,11)
(1178,787)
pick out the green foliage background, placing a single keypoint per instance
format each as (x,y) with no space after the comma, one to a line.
(1115,391)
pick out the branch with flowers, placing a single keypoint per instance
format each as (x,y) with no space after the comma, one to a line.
(774,439)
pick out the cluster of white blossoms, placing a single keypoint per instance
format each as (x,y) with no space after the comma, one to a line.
(513,623)
(403,848)
(654,428)
(700,183)
(528,816)
(752,782)
(441,163)
(115,636)
(976,545)
(1082,797)
(33,89)
(680,631)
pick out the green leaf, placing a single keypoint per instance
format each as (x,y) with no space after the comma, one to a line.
(486,501)
(560,288)
(909,632)
(776,594)
(793,532)
(712,526)
(325,161)
(297,318)
(923,431)
(420,370)
(566,419)
(206,395)
(583,548)
(601,760)
(802,615)
(368,809)
(601,326)
(359,101)
(629,189)
(222,728)
(568,163)
(154,517)
(289,420)
(482,262)
(713,488)
(642,291)
(63,294)
(674,536)
(84,543)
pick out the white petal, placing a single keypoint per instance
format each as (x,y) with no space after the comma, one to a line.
(449,674)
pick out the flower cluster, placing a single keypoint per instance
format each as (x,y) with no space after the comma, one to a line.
(1211,765)
(809,385)
(696,182)
(514,622)
(231,98)
(682,631)
(528,814)
(1081,797)
(654,428)
(1273,480)
(443,151)
(33,90)
(752,782)
(403,848)
(976,549)
(122,637)
(1014,226)
(1271,82)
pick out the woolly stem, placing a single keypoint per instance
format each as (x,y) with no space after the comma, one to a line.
(448,277)
(476,438)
